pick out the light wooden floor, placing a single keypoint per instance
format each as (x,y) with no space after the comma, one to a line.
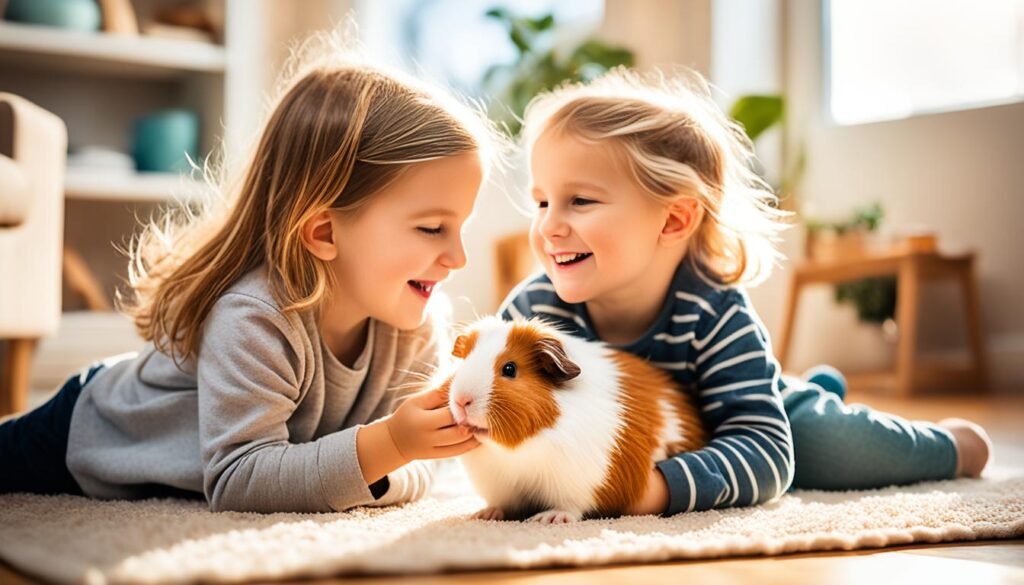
(979,563)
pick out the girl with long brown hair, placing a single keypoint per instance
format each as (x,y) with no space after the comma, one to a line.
(289,324)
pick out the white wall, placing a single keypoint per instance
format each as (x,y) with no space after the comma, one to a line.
(472,290)
(661,32)
(958,173)
(746,58)
(261,34)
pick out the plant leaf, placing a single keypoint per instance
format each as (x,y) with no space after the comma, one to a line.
(757,113)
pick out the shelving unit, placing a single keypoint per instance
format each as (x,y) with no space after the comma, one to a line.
(136,187)
(100,84)
(41,46)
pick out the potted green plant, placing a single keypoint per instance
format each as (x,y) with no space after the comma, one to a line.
(540,65)
(873,298)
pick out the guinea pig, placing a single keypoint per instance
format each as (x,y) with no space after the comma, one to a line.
(568,428)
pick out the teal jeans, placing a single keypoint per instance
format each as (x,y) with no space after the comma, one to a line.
(850,447)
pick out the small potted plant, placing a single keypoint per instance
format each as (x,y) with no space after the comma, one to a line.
(873,298)
(827,241)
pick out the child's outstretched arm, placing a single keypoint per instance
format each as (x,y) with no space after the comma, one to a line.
(399,451)
(416,402)
(249,389)
(749,459)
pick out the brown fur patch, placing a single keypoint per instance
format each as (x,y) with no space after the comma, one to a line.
(464,344)
(642,387)
(445,388)
(523,406)
(554,362)
(691,427)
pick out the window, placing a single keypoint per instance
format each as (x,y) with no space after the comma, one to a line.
(887,60)
(454,41)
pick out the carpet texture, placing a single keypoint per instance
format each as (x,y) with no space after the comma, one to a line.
(72,539)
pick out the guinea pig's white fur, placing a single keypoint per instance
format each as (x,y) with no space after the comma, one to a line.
(578,445)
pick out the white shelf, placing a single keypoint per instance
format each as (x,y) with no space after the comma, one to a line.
(33,45)
(137,187)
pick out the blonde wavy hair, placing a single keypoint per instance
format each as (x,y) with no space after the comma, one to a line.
(678,143)
(340,132)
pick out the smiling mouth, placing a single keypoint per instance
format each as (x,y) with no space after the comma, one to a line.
(570,259)
(422,288)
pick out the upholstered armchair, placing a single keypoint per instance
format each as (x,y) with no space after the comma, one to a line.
(33,149)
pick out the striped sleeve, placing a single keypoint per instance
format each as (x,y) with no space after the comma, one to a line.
(530,298)
(749,459)
(516,307)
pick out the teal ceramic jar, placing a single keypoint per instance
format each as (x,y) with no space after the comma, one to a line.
(81,15)
(163,138)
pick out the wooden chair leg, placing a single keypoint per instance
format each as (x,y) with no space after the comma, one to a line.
(972,306)
(17,362)
(907,293)
(82,281)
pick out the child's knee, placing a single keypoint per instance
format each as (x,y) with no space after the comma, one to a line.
(827,378)
(810,402)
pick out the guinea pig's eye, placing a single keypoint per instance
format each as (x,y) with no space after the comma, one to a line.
(509,370)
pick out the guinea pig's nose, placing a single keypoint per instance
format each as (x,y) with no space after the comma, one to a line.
(464,401)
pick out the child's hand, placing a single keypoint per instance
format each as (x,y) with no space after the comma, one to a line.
(423,428)
(655,498)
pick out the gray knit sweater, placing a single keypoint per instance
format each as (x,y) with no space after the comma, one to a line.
(265,419)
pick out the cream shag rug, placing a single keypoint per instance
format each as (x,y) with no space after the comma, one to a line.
(71,539)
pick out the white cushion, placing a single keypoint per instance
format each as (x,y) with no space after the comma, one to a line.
(31,253)
(15,198)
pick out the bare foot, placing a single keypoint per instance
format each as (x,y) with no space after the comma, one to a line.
(973,446)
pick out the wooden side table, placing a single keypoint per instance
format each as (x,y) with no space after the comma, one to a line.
(911,268)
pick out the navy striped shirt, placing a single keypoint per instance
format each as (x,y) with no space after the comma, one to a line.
(711,340)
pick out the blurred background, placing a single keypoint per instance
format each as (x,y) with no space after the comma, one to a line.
(892,129)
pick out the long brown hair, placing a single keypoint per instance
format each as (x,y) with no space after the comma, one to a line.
(340,133)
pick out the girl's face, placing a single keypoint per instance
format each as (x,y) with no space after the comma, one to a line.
(395,251)
(595,231)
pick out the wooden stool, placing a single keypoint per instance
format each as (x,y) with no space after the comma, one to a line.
(911,267)
(16,354)
(15,365)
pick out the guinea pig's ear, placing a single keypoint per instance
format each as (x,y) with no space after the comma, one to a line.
(461,349)
(555,364)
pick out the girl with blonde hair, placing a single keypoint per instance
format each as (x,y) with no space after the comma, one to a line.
(287,328)
(648,222)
